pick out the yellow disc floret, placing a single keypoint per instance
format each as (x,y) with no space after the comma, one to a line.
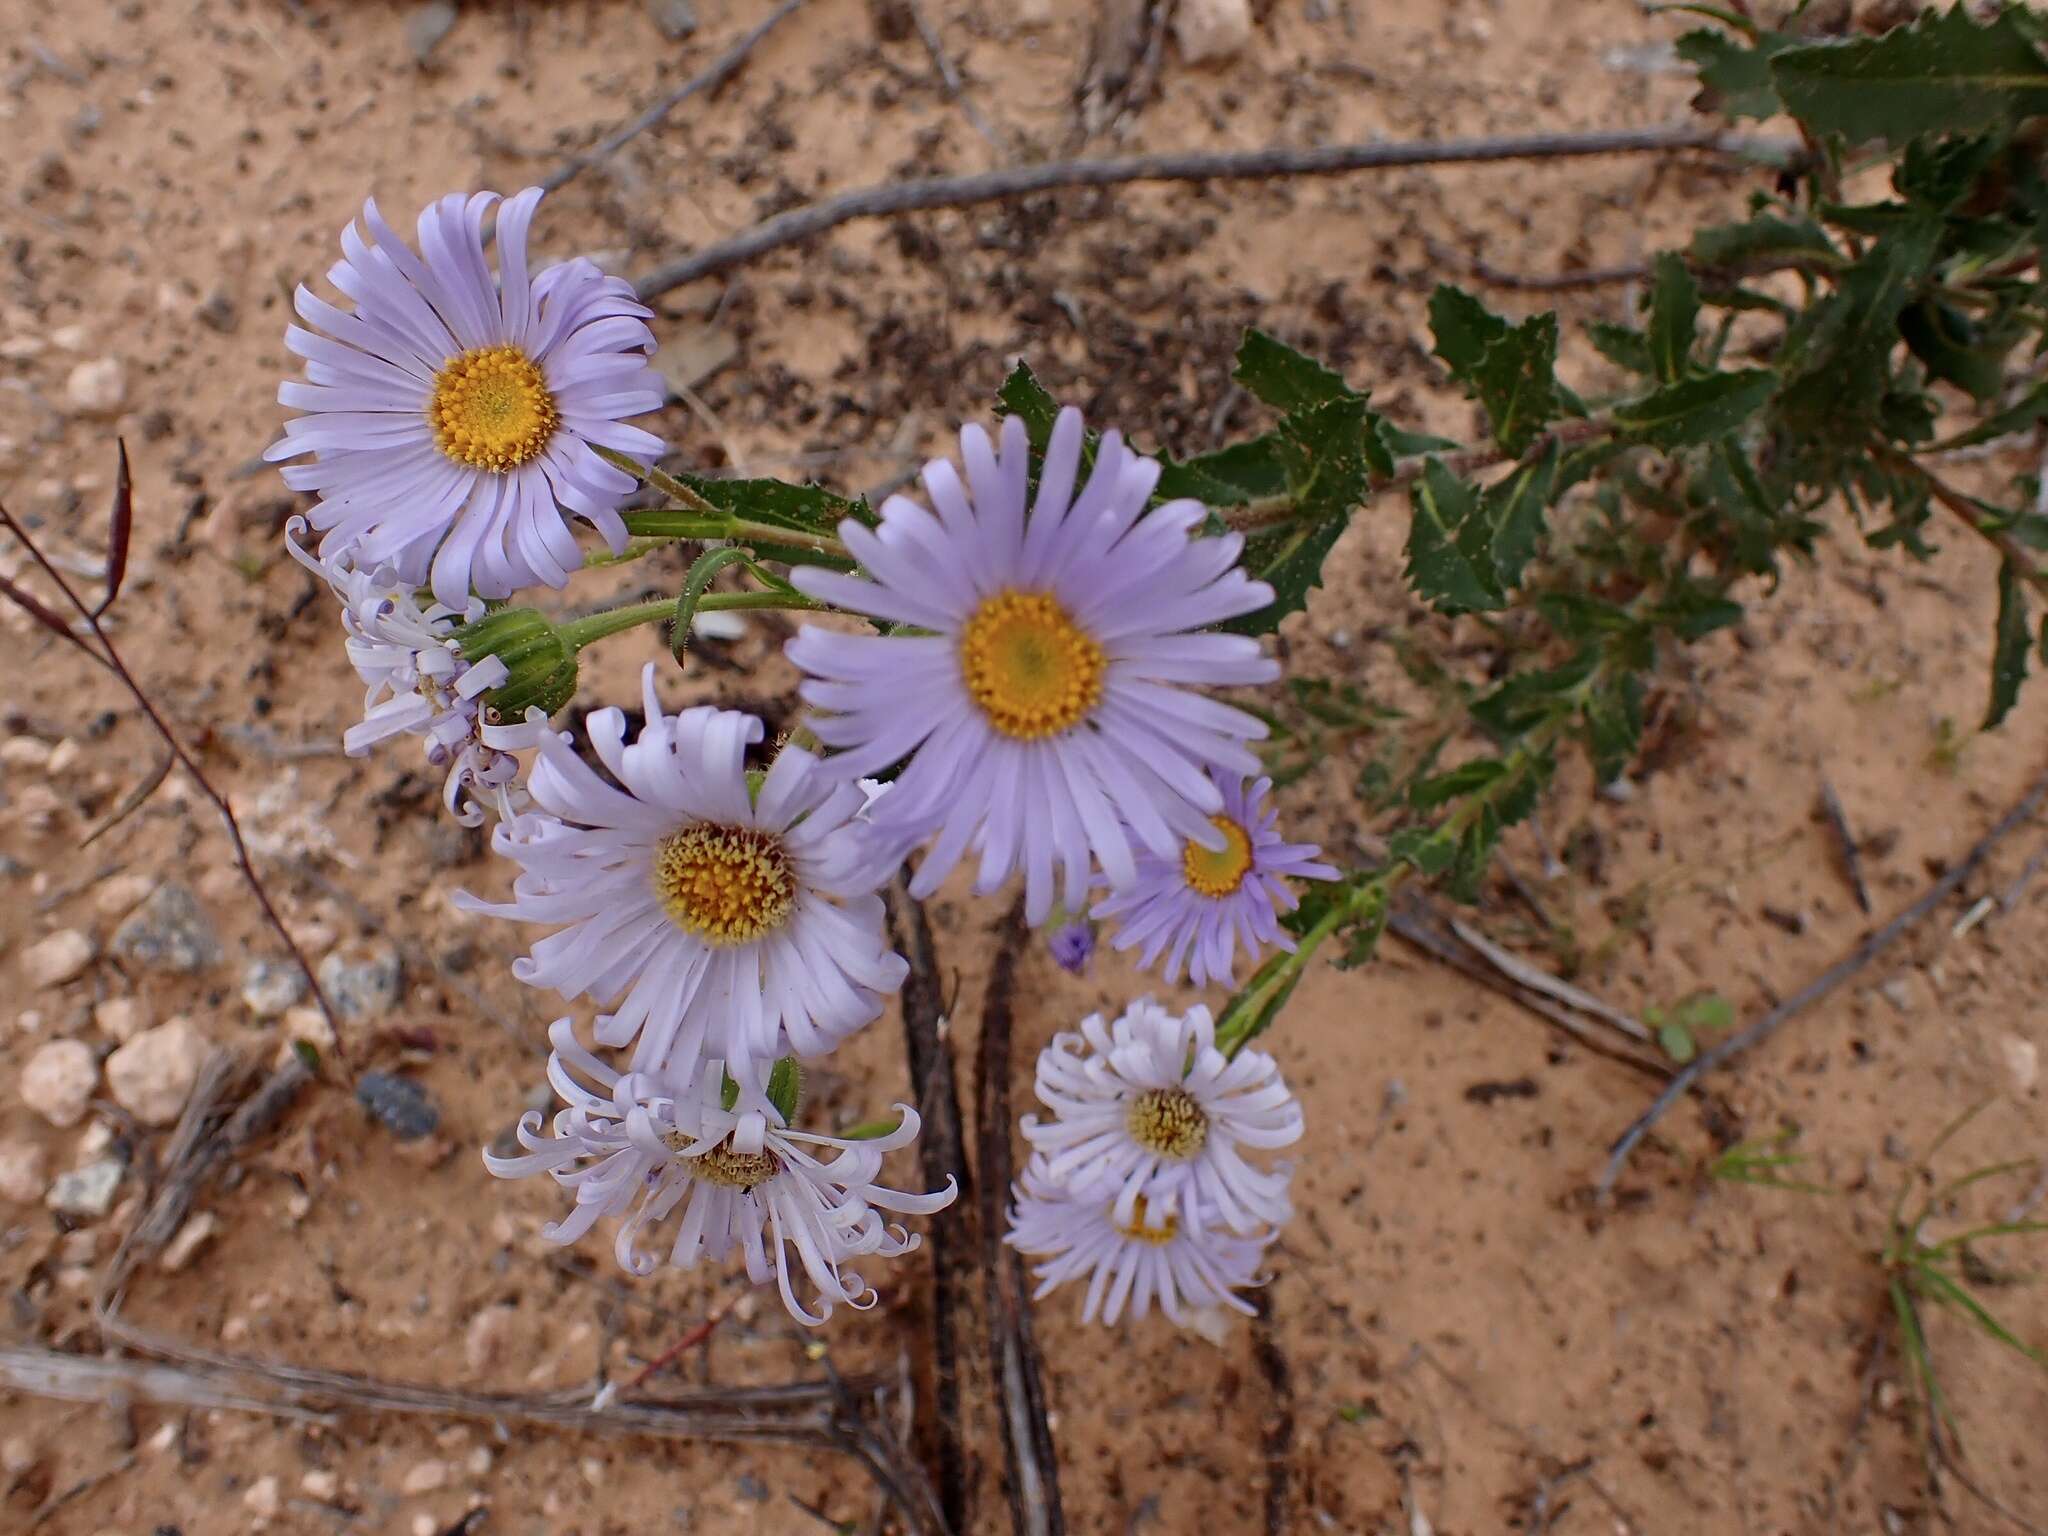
(1169,1122)
(733,1170)
(1216,872)
(726,885)
(1158,1237)
(1032,670)
(491,409)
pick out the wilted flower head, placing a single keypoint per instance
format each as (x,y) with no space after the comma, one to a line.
(418,683)
(1043,715)
(1149,1115)
(1129,1261)
(721,922)
(1204,904)
(641,1147)
(1073,945)
(451,412)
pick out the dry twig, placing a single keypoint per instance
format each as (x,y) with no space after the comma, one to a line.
(1838,820)
(1872,945)
(800,224)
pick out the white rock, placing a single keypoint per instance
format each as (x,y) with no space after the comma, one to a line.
(269,987)
(74,337)
(262,1498)
(425,1478)
(17,1455)
(29,1021)
(191,1238)
(121,1018)
(308,1026)
(479,1463)
(488,1333)
(64,757)
(24,752)
(97,388)
(1209,30)
(152,1074)
(2022,1061)
(53,961)
(118,895)
(86,1192)
(96,1140)
(424,1524)
(320,1484)
(58,1080)
(23,1176)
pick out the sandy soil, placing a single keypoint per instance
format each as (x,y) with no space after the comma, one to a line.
(1457,1337)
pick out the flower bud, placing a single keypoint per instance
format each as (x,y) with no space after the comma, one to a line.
(540,667)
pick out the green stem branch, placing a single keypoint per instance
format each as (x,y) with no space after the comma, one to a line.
(578,633)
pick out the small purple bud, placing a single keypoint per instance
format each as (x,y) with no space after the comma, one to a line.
(1073,945)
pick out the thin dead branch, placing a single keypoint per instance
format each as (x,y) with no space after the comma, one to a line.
(1845,841)
(1872,946)
(1276,1439)
(942,1155)
(799,224)
(1030,1464)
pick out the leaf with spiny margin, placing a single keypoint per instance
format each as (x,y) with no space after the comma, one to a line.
(800,508)
(1622,345)
(2023,413)
(1614,725)
(1509,369)
(1455,782)
(1467,876)
(1282,377)
(1696,410)
(2009,653)
(1943,74)
(1674,318)
(1328,454)
(1955,347)
(1441,568)
(1429,849)
(1028,400)
(1511,516)
(1403,444)
(1692,611)
(1735,80)
(1529,698)
(1762,239)
(1228,477)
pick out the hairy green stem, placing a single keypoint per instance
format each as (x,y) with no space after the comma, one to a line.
(578,633)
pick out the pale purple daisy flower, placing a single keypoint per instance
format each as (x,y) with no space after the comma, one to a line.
(418,683)
(452,412)
(1201,905)
(1149,1115)
(639,1146)
(1129,1263)
(1042,715)
(733,924)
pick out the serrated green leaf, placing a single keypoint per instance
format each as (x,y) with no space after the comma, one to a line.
(2023,413)
(1956,348)
(1327,454)
(1696,410)
(1762,238)
(1430,849)
(2009,652)
(1463,329)
(1735,80)
(1622,345)
(1402,444)
(1230,476)
(1674,318)
(1511,517)
(706,566)
(1614,726)
(1527,698)
(1024,397)
(1694,612)
(1455,782)
(1467,876)
(1942,172)
(1284,378)
(1516,382)
(1441,568)
(1943,74)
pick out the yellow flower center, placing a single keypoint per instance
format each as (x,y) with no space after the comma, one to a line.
(1216,872)
(1030,668)
(1158,1237)
(1169,1122)
(727,885)
(729,1169)
(491,409)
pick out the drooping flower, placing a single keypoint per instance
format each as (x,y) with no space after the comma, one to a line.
(1200,906)
(1073,945)
(639,1146)
(1042,716)
(418,683)
(452,412)
(1150,1116)
(1129,1262)
(720,922)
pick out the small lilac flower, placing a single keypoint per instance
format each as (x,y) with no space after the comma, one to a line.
(1202,904)
(1044,715)
(1129,1262)
(639,1146)
(1148,1114)
(1073,945)
(451,412)
(721,922)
